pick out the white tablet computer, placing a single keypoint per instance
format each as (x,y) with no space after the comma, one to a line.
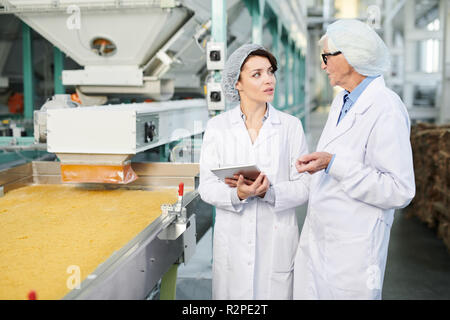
(250,172)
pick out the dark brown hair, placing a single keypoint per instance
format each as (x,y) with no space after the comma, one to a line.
(263,53)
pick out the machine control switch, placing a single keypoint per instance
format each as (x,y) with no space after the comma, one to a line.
(214,55)
(215,96)
(150,131)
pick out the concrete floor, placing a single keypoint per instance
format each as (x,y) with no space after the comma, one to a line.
(418,264)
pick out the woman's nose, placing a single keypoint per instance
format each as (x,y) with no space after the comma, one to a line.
(323,65)
(270,78)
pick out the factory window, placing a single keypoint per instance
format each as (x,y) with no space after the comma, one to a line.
(430,50)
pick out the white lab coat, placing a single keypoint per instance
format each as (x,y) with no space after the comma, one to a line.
(254,242)
(344,242)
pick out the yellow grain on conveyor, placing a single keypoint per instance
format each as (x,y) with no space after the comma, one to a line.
(44,229)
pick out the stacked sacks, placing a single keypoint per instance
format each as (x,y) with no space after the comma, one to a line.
(431,155)
(442,208)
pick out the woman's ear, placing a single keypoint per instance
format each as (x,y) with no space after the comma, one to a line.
(238,85)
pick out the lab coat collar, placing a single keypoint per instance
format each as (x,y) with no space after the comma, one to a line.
(364,102)
(367,97)
(236,115)
(267,130)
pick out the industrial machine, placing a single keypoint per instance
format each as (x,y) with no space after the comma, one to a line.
(95,143)
(134,270)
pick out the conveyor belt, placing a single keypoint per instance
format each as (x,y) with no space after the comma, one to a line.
(128,263)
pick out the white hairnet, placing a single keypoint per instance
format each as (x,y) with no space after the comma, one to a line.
(232,70)
(360,45)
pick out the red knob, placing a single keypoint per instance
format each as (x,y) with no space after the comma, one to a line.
(32,295)
(181,189)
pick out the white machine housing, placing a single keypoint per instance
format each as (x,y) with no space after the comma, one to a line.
(111,134)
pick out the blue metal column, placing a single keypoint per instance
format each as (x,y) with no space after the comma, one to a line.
(164,151)
(27,63)
(292,74)
(256,10)
(295,76)
(301,79)
(275,26)
(298,77)
(302,74)
(219,20)
(305,79)
(58,63)
(219,27)
(285,42)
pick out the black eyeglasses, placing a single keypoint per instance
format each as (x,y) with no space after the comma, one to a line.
(325,56)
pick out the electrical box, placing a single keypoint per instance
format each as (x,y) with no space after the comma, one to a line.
(215,55)
(215,97)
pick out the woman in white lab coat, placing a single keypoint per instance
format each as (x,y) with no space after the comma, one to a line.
(362,171)
(255,232)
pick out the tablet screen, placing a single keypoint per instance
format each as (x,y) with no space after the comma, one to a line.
(250,172)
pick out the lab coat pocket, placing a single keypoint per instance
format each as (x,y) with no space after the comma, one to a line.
(285,243)
(347,259)
(282,285)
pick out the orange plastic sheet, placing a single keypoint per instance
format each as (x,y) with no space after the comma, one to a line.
(79,173)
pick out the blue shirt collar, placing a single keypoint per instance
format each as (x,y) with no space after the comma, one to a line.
(354,95)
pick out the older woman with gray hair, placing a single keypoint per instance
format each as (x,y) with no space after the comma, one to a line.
(255,231)
(361,172)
